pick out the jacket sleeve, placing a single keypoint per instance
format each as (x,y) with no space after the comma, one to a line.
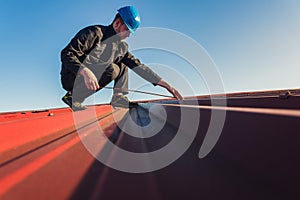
(73,55)
(141,69)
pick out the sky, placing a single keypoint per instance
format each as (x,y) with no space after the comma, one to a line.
(254,45)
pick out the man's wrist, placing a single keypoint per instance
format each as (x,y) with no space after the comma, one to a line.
(82,70)
(164,84)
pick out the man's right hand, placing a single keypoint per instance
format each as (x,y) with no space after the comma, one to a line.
(90,79)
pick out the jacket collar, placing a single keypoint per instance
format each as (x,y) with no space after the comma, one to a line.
(110,34)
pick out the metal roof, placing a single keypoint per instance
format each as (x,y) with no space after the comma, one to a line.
(58,154)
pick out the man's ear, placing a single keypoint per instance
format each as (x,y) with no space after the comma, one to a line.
(117,23)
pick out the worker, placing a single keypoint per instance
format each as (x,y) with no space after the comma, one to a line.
(99,54)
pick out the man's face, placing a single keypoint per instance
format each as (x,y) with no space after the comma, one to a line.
(125,33)
(122,30)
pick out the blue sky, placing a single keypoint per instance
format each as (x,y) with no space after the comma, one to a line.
(254,44)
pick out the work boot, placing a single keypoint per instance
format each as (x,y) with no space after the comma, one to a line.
(75,106)
(122,101)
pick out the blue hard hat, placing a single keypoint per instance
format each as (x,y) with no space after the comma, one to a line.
(131,17)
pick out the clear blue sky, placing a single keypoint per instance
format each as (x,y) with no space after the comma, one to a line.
(255,44)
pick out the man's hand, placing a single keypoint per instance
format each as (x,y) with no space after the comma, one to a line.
(175,93)
(90,79)
(171,89)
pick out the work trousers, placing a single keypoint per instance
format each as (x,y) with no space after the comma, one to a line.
(76,85)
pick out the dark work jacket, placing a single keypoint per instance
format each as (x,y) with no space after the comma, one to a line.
(97,47)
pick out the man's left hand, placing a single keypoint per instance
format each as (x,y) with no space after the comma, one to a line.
(171,89)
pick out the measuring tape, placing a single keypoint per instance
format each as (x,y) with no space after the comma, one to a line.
(137,91)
